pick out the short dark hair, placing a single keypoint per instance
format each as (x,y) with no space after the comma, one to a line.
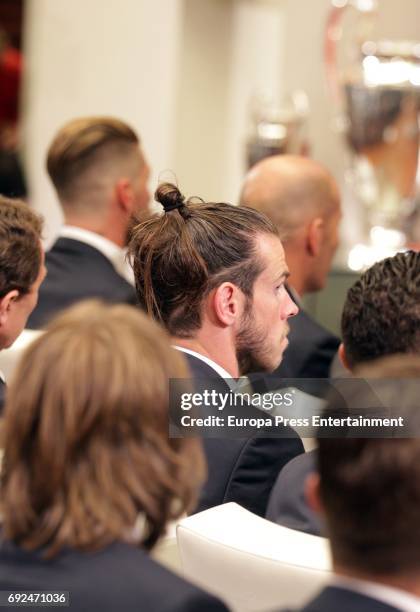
(77,145)
(86,438)
(20,253)
(180,256)
(381,314)
(370,487)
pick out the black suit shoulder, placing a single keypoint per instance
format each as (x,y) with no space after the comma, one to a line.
(77,271)
(311,349)
(332,599)
(287,505)
(242,470)
(119,577)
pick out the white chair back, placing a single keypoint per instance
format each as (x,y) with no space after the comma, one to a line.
(252,564)
(166,550)
(9,357)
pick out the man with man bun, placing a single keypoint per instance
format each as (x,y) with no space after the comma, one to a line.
(214,275)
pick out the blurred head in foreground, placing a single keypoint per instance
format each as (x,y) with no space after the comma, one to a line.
(86,435)
(369,488)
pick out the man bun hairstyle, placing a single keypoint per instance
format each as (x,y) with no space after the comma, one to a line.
(180,256)
(170,197)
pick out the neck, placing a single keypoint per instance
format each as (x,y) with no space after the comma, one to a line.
(409,582)
(113,233)
(298,267)
(214,347)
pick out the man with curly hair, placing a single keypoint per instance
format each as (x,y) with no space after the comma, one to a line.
(381,317)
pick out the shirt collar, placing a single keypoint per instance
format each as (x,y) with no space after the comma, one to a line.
(215,366)
(397,598)
(114,253)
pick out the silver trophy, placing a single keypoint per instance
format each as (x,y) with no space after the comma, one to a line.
(375,84)
(276,126)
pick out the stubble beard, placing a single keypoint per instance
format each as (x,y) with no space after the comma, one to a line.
(251,345)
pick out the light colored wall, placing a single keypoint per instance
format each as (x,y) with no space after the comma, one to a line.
(182,73)
(116,57)
(200,154)
(256,66)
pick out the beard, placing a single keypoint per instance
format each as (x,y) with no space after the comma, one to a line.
(253,348)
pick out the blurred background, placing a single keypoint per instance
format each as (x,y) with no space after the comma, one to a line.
(193,77)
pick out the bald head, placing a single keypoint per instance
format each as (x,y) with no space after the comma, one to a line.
(302,199)
(291,191)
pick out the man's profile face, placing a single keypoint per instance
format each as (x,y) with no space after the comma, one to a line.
(262,338)
(20,308)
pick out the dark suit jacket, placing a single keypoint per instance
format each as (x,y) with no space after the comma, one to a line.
(309,354)
(287,505)
(120,577)
(77,271)
(241,470)
(336,599)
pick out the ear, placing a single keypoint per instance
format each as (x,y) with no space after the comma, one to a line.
(6,304)
(228,303)
(343,356)
(125,195)
(315,236)
(312,493)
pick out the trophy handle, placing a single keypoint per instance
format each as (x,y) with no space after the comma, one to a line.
(333,35)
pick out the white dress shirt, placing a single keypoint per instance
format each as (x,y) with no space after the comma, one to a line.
(114,253)
(212,364)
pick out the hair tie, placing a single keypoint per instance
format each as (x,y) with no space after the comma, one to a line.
(168,206)
(169,196)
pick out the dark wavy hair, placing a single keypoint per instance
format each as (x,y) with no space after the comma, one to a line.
(20,253)
(381,314)
(195,246)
